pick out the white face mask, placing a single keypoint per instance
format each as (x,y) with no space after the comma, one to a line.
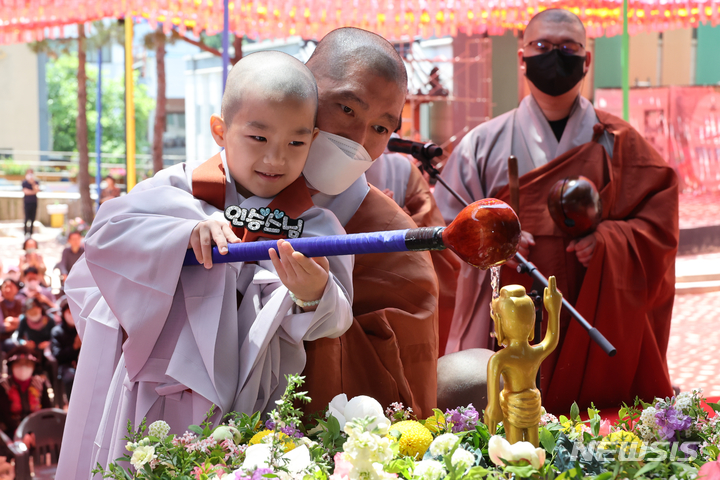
(22,372)
(335,163)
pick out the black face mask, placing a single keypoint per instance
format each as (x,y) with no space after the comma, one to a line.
(554,73)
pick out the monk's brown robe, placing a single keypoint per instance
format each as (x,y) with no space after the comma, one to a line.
(390,352)
(627,291)
(420,205)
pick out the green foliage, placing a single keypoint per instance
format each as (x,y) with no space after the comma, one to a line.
(62,106)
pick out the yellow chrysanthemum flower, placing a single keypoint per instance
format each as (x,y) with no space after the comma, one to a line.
(622,439)
(568,427)
(435,424)
(258,438)
(414,438)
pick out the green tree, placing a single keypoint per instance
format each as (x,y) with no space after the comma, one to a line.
(62,105)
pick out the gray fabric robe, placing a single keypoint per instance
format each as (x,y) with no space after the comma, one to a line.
(189,344)
(478,169)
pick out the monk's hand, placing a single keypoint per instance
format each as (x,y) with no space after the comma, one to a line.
(583,248)
(205,234)
(552,298)
(389,193)
(526,241)
(305,277)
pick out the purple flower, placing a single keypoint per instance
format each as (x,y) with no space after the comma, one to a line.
(270,425)
(258,474)
(670,421)
(462,418)
(291,431)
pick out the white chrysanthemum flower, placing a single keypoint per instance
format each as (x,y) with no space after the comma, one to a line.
(141,456)
(443,444)
(648,417)
(462,459)
(159,429)
(683,401)
(429,470)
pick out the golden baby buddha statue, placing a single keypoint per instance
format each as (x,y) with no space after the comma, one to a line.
(518,404)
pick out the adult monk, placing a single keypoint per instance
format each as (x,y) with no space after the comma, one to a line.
(391,349)
(621,276)
(397,177)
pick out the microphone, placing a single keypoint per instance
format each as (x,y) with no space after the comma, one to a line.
(422,152)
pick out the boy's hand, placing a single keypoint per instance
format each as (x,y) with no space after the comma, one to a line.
(305,277)
(205,234)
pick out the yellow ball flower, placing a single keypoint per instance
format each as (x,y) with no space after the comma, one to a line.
(414,438)
(258,438)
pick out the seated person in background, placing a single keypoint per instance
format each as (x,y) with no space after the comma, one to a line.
(21,392)
(11,307)
(35,328)
(31,258)
(70,254)
(13,272)
(66,347)
(34,289)
(110,191)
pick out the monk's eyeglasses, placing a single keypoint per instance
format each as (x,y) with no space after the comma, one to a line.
(567,48)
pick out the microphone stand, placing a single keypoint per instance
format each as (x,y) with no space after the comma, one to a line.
(425,153)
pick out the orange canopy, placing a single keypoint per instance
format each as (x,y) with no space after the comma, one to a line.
(28,20)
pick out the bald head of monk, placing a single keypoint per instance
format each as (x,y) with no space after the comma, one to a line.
(267,123)
(554,60)
(362,83)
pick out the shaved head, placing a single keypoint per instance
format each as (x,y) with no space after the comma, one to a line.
(346,47)
(274,75)
(557,15)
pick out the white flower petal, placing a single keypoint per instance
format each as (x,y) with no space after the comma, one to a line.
(499,448)
(257,456)
(363,406)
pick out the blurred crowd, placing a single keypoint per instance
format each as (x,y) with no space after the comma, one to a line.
(38,340)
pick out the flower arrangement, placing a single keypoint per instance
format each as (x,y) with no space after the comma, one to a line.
(356,439)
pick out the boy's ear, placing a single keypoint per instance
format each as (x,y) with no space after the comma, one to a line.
(315,134)
(218,130)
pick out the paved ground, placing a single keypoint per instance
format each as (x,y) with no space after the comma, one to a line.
(693,356)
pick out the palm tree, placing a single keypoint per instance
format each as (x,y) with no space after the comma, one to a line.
(156,41)
(86,205)
(202,45)
(103,35)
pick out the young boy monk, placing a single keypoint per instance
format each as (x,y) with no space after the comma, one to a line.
(198,336)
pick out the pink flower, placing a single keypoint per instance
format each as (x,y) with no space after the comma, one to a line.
(342,467)
(207,469)
(710,471)
(604,428)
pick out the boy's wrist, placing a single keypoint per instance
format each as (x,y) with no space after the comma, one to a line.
(302,303)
